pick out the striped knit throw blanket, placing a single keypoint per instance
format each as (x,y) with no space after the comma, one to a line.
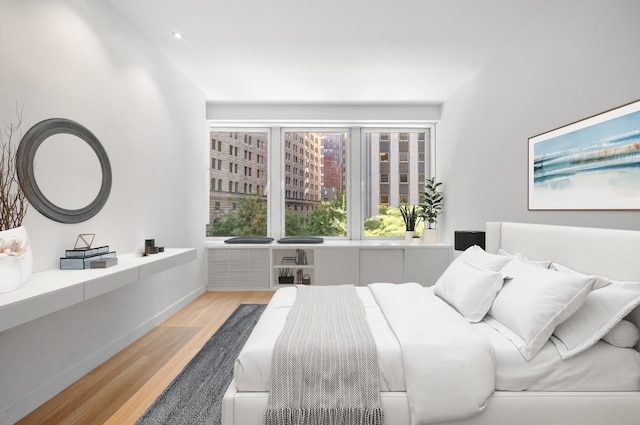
(324,368)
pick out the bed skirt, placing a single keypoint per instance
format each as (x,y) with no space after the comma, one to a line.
(503,408)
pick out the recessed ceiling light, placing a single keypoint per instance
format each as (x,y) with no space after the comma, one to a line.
(177,35)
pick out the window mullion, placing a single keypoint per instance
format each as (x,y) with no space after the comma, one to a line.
(275,207)
(355,200)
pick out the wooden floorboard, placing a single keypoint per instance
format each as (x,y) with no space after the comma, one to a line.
(120,390)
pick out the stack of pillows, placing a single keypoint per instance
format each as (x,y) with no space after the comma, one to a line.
(530,302)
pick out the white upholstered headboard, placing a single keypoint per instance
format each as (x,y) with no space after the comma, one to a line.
(605,252)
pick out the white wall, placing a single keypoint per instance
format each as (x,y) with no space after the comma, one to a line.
(318,112)
(578,58)
(80,60)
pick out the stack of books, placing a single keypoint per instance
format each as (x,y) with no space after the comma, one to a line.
(299,259)
(289,261)
(88,258)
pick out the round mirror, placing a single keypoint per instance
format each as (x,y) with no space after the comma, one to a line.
(64,170)
(67,171)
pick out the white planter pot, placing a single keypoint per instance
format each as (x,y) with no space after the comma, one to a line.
(11,276)
(408,235)
(15,269)
(430,236)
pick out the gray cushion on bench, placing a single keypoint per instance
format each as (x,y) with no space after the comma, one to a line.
(301,239)
(249,239)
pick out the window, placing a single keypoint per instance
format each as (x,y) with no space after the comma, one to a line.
(395,170)
(313,183)
(238,211)
(315,203)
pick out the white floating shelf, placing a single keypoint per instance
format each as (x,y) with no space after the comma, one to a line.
(52,290)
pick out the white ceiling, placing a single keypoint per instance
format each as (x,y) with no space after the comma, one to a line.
(329,50)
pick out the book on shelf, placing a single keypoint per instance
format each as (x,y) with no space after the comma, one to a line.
(82,263)
(86,252)
(301,257)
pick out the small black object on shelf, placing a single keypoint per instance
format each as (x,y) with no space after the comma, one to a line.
(464,239)
(151,248)
(285,280)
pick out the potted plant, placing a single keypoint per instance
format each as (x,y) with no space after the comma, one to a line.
(431,200)
(16,261)
(411,219)
(285,275)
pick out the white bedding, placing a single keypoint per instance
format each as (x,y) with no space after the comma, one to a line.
(601,368)
(448,367)
(253,367)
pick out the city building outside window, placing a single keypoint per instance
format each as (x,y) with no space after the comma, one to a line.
(316,189)
(235,212)
(395,169)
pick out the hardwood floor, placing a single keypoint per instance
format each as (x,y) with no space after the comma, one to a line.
(120,390)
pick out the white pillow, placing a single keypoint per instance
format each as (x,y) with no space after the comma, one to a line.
(468,289)
(603,309)
(601,282)
(535,301)
(478,257)
(540,263)
(624,335)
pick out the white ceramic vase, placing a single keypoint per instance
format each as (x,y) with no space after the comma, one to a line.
(430,236)
(408,235)
(16,259)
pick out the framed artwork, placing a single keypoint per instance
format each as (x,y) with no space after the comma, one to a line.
(592,164)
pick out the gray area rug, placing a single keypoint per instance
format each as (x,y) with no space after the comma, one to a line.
(195,396)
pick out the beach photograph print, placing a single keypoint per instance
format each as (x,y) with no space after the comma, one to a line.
(593,164)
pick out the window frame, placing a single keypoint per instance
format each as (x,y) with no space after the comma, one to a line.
(355,167)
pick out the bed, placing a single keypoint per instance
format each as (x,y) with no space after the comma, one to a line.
(545,388)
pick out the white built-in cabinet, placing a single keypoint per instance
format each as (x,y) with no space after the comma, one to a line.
(242,267)
(258,267)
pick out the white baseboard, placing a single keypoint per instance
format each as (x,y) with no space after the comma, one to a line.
(54,386)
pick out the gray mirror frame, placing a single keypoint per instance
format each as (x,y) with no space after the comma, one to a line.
(25,156)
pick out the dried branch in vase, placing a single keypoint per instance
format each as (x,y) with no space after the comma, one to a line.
(13,200)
